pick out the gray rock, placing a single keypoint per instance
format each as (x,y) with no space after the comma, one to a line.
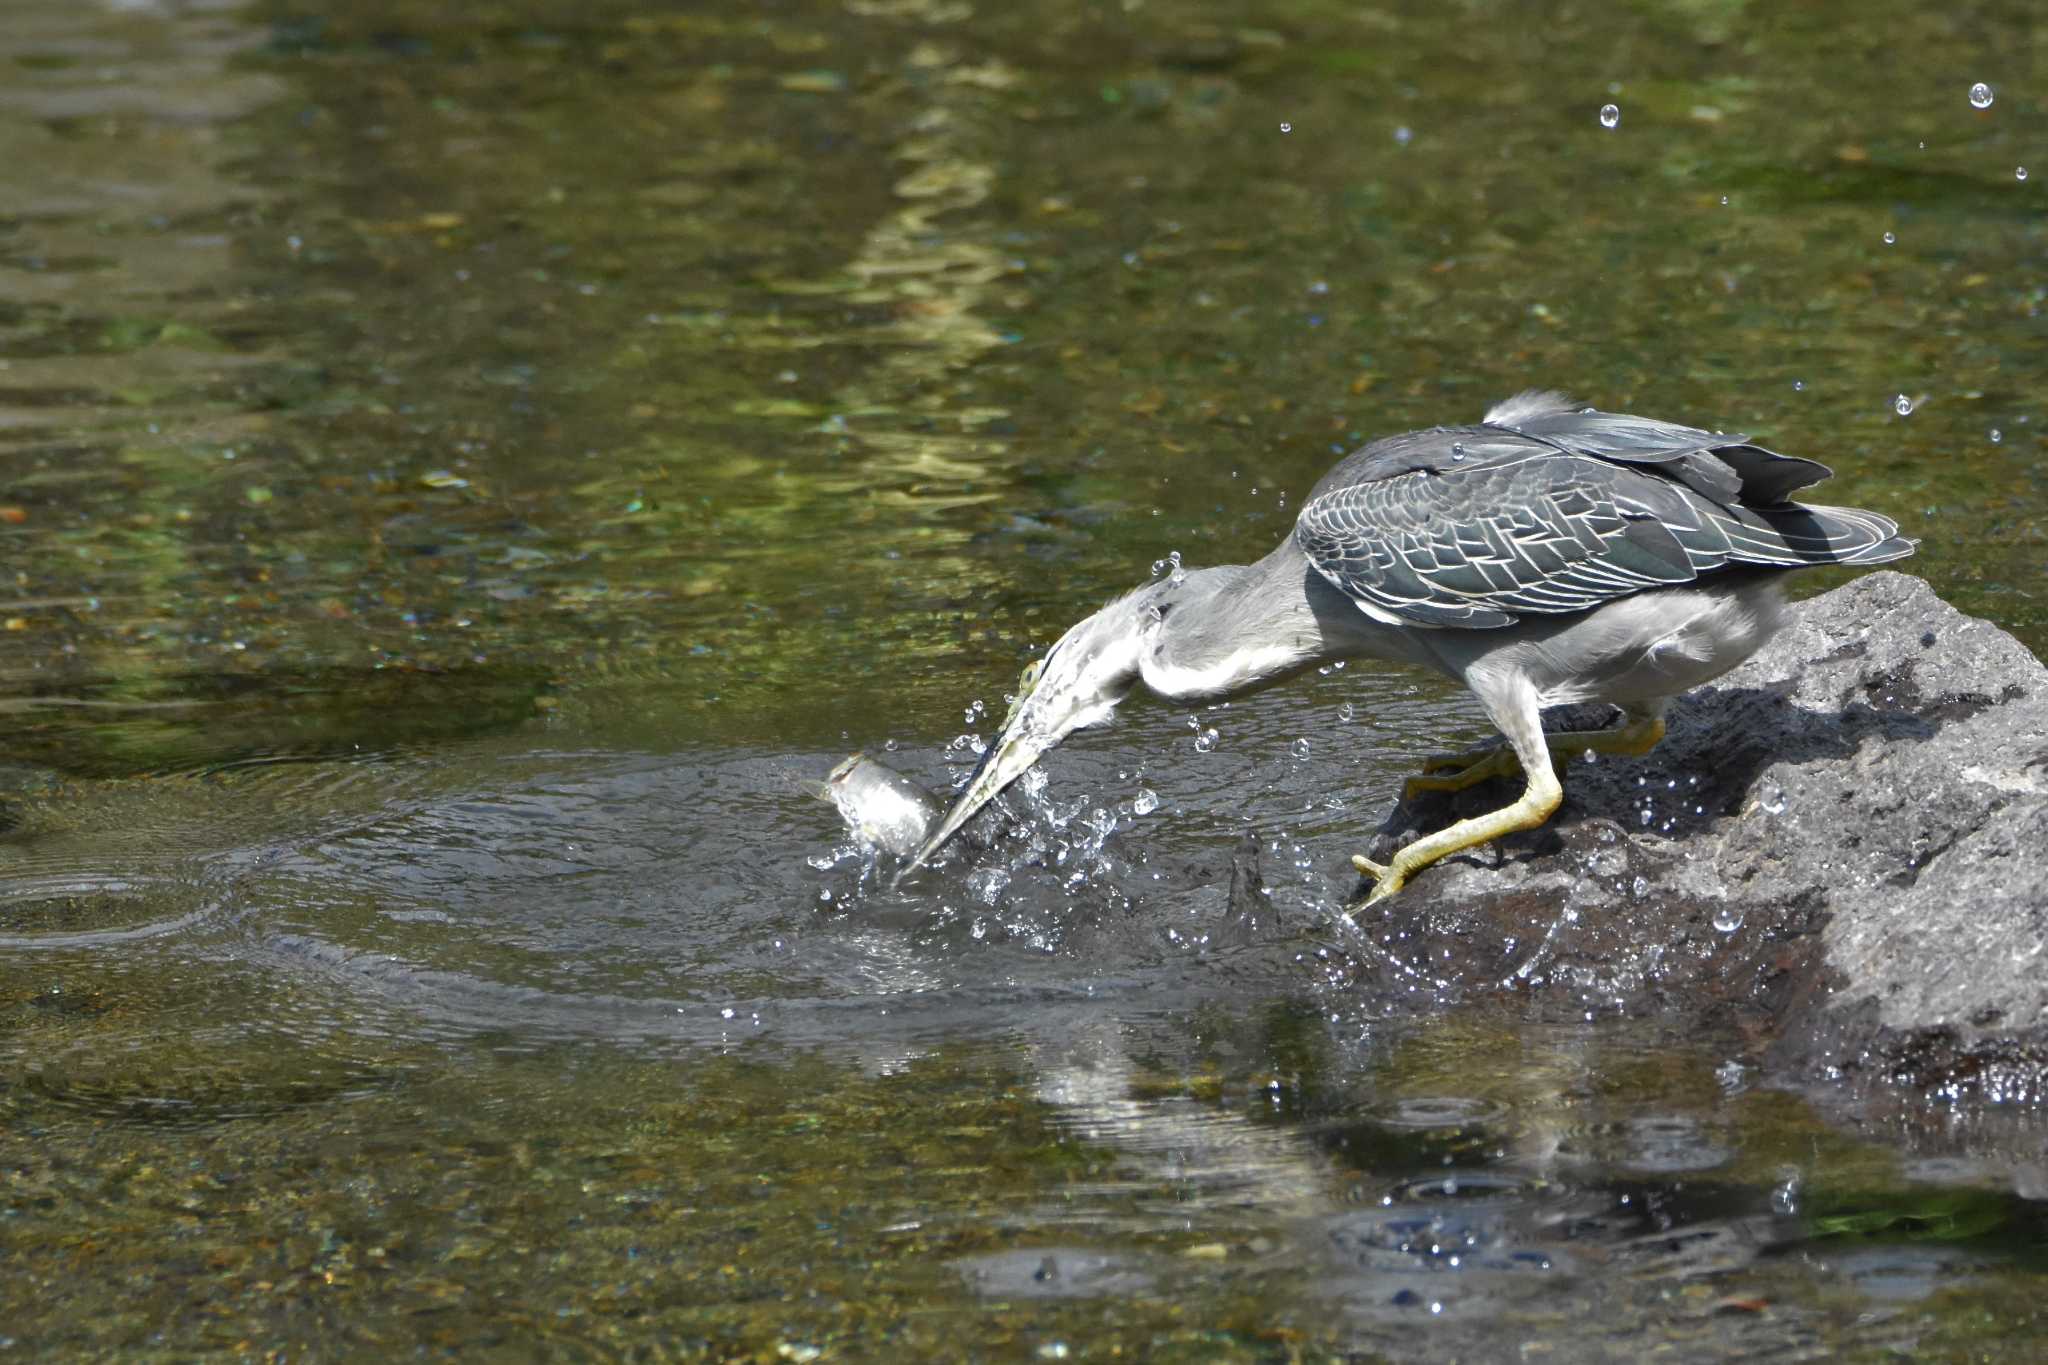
(1840,845)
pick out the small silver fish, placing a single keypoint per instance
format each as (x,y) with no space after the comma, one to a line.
(881,806)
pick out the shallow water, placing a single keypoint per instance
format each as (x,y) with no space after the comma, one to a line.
(471,467)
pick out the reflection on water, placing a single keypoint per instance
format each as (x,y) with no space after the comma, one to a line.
(469,467)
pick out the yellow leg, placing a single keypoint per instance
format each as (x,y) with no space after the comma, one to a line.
(1636,736)
(1513,707)
(1536,804)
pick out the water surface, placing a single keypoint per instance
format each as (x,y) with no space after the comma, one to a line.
(469,467)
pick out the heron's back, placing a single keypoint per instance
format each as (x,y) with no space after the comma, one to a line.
(1546,508)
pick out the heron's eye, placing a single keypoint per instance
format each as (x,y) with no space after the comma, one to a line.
(1029,678)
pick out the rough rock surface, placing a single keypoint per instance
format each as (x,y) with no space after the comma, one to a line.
(1842,845)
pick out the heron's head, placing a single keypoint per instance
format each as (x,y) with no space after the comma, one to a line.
(1077,684)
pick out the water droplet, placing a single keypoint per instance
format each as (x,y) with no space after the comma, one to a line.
(1785,1198)
(1728,918)
(1404,135)
(889,746)
(1178,575)
(1980,96)
(1206,741)
(1457,450)
(1996,436)
(1592,757)
(1610,115)
(1300,748)
(1288,127)
(1145,802)
(1773,801)
(1799,386)
(1646,815)
(974,712)
(1158,567)
(2019,172)
(1640,887)
(1902,405)
(1891,238)
(1724,201)
(1346,711)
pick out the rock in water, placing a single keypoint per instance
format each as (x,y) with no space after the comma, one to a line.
(1840,840)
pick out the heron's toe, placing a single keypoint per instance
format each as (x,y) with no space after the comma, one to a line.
(1385,887)
(1387,879)
(1430,782)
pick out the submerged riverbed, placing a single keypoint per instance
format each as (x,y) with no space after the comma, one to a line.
(470,467)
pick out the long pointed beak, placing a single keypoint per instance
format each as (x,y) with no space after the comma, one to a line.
(1008,759)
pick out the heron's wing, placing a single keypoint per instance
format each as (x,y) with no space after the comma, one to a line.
(1474,527)
(1723,466)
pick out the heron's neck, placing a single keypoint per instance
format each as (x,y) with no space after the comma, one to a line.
(1235,628)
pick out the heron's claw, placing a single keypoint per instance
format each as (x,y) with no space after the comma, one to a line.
(1386,880)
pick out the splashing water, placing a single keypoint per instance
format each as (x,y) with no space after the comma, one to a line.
(1145,802)
(1299,748)
(1206,741)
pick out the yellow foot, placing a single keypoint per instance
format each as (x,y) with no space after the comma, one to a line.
(1483,764)
(1387,880)
(1450,763)
(1634,737)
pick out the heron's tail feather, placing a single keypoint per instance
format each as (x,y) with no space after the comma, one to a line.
(1835,535)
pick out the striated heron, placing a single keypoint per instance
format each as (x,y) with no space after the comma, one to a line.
(1551,554)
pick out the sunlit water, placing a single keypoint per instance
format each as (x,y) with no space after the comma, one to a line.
(469,470)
